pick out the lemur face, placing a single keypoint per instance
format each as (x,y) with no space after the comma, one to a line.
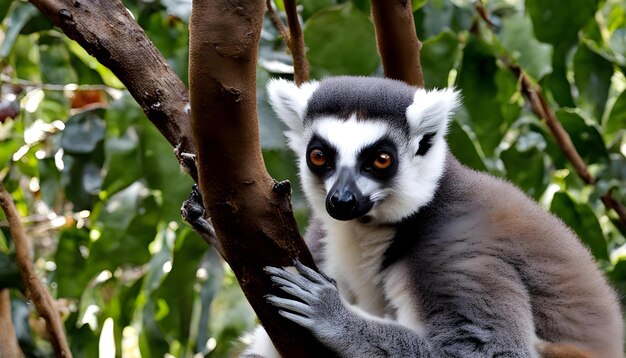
(369,149)
(353,162)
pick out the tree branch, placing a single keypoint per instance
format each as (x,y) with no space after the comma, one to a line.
(540,107)
(251,213)
(35,289)
(294,38)
(278,23)
(109,33)
(397,40)
(300,63)
(8,341)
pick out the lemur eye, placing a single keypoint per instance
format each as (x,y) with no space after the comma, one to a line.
(317,158)
(382,161)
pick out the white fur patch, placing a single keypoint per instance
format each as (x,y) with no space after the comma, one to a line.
(398,292)
(353,257)
(259,343)
(290,104)
(430,112)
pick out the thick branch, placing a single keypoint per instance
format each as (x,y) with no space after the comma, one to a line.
(108,32)
(397,40)
(300,63)
(542,109)
(251,214)
(36,291)
(8,341)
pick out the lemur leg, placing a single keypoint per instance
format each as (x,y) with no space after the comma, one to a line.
(193,212)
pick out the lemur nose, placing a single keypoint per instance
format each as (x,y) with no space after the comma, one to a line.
(343,200)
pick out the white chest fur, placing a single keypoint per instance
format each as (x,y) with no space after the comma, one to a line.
(353,257)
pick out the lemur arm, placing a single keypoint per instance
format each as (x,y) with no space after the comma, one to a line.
(350,333)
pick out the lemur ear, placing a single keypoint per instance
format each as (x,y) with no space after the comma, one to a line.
(428,116)
(290,103)
(431,111)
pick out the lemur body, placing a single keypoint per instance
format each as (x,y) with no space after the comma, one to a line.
(430,258)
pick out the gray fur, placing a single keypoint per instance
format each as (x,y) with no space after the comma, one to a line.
(344,96)
(479,270)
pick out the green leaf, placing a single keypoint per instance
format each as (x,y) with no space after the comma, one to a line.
(518,39)
(123,162)
(177,290)
(463,147)
(341,40)
(9,273)
(72,275)
(161,172)
(524,163)
(617,119)
(556,26)
(55,61)
(583,220)
(478,78)
(310,7)
(559,25)
(438,56)
(83,132)
(585,137)
(417,4)
(592,76)
(21,13)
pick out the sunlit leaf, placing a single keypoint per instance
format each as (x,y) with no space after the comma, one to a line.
(517,37)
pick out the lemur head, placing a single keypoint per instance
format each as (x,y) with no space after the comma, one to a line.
(370,149)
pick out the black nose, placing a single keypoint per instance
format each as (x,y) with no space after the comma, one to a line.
(344,201)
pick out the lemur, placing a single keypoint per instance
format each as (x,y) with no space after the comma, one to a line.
(424,257)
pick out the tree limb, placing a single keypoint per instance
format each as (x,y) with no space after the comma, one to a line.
(278,23)
(8,341)
(109,33)
(294,38)
(397,40)
(540,107)
(300,63)
(251,213)
(35,289)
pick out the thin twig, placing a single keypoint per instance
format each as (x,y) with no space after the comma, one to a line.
(540,107)
(35,289)
(278,23)
(300,63)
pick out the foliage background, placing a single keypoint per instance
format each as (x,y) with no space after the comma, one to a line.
(100,190)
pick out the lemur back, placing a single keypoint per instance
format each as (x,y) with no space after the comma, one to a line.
(430,258)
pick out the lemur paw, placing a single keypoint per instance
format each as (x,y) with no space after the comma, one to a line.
(317,304)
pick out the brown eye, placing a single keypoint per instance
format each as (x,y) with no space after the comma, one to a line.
(317,158)
(382,161)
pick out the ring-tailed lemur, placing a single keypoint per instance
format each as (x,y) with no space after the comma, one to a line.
(430,258)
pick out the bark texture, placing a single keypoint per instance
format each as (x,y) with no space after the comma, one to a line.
(35,289)
(251,213)
(109,33)
(397,40)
